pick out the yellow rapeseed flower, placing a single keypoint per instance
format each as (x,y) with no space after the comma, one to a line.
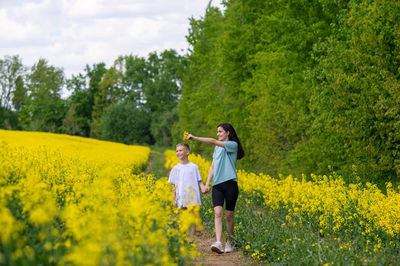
(110,211)
(185,135)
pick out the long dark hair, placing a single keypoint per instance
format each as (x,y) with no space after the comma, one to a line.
(233,136)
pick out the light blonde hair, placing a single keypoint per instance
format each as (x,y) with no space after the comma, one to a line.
(184,144)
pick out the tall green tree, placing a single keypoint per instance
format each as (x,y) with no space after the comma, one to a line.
(162,87)
(84,88)
(70,122)
(135,75)
(153,84)
(76,121)
(45,105)
(12,90)
(110,91)
(162,90)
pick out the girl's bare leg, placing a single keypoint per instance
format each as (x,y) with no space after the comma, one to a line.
(230,223)
(218,213)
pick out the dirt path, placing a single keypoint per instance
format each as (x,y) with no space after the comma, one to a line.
(203,241)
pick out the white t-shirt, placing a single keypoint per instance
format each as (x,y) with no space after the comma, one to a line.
(185,178)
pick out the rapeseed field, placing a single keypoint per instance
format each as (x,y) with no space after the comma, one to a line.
(77,201)
(315,220)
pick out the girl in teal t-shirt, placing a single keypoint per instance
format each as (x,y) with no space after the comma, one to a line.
(227,150)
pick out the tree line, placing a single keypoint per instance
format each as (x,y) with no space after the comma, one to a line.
(311,87)
(134,101)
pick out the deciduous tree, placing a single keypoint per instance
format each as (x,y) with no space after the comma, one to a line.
(46,108)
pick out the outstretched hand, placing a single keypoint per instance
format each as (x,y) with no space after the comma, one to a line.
(189,136)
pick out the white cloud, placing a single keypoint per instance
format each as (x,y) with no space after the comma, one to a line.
(73,33)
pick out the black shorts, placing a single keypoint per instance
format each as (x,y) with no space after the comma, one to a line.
(227,191)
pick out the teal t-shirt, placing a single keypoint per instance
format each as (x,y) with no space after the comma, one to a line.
(225,162)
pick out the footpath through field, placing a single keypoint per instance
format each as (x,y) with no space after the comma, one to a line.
(205,237)
(203,241)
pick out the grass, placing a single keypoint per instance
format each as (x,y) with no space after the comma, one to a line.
(266,236)
(155,165)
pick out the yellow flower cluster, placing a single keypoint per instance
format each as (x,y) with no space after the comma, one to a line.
(335,205)
(71,200)
(184,135)
(108,154)
(326,200)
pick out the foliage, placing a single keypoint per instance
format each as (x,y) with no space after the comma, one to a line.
(12,71)
(306,84)
(161,126)
(8,119)
(201,93)
(13,94)
(31,100)
(84,89)
(70,123)
(109,93)
(152,84)
(46,108)
(355,99)
(124,122)
(162,91)
(251,68)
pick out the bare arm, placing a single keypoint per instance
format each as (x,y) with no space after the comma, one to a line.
(206,140)
(210,176)
(201,185)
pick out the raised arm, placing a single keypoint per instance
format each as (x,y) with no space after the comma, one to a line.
(206,140)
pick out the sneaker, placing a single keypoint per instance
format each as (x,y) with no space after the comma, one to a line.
(217,247)
(228,247)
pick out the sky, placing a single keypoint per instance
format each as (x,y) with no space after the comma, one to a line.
(70,34)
